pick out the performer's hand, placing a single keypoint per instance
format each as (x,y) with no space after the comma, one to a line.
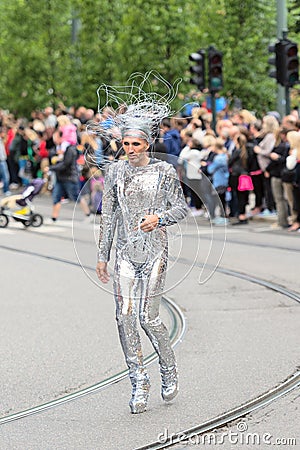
(102,272)
(149,223)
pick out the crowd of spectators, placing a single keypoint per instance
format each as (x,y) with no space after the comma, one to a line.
(219,167)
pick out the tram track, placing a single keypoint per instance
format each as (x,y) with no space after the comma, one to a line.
(278,288)
(228,417)
(177,331)
(291,383)
(193,236)
(262,400)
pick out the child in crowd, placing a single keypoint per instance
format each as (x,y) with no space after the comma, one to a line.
(218,168)
(97,187)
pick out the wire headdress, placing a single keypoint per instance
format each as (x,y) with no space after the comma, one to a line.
(134,107)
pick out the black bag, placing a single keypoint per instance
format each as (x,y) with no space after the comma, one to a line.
(287,175)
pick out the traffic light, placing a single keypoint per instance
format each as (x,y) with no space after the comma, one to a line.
(198,69)
(288,65)
(215,70)
(272,61)
(286,61)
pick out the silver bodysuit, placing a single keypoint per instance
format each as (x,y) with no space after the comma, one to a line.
(141,258)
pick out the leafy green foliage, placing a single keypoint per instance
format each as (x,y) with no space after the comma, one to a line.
(55,51)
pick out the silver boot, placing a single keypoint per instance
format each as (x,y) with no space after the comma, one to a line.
(169,383)
(140,395)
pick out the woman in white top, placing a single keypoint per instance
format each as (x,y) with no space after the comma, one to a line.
(191,156)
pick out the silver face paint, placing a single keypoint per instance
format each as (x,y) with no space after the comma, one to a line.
(141,262)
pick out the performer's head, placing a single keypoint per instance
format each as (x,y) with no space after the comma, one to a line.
(136,149)
(138,112)
(136,140)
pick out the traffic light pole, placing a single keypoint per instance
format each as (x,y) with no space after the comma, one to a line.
(286,88)
(287,100)
(215,78)
(213,109)
(283,94)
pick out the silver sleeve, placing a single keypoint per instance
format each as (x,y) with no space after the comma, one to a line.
(177,206)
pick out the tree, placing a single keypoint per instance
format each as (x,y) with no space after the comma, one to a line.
(127,37)
(36,47)
(57,51)
(242,31)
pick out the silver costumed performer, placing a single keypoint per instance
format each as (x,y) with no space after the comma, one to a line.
(141,258)
(142,196)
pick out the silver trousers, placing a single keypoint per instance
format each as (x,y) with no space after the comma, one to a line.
(138,288)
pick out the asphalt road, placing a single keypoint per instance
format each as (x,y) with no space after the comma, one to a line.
(58,334)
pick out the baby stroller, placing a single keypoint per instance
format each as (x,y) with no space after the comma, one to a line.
(10,206)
